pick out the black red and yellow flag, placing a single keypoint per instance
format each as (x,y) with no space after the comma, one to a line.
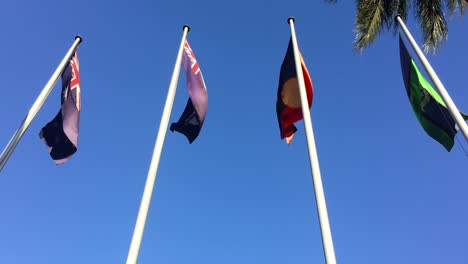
(288,104)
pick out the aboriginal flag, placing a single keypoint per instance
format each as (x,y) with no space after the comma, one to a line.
(288,104)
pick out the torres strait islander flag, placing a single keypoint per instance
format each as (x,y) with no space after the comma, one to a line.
(288,103)
(61,134)
(427,103)
(191,121)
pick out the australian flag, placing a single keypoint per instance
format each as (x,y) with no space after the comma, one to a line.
(191,121)
(61,134)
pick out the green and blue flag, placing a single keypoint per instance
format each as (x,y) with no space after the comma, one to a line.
(427,104)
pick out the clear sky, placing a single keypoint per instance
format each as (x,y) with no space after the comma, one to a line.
(238,194)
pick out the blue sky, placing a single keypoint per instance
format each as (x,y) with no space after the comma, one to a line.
(238,194)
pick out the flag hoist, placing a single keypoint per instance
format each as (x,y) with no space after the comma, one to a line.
(151,178)
(6,153)
(327,240)
(454,112)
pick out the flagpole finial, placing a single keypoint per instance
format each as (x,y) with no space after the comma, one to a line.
(397,16)
(79,38)
(186,26)
(291,19)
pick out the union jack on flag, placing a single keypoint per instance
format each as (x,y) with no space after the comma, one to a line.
(191,121)
(75,81)
(193,61)
(61,134)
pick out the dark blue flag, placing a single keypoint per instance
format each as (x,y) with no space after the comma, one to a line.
(61,134)
(191,121)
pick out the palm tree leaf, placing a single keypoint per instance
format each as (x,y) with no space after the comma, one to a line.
(432,22)
(452,6)
(397,8)
(462,4)
(402,8)
(375,16)
(370,18)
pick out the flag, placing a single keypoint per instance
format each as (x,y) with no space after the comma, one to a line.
(288,103)
(427,104)
(61,134)
(191,121)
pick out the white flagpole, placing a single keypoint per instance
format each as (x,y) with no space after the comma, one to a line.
(327,240)
(8,150)
(435,79)
(151,178)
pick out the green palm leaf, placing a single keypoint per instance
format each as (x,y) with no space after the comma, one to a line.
(370,19)
(375,16)
(432,22)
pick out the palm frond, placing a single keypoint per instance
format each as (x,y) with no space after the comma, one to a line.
(375,16)
(402,8)
(396,7)
(462,4)
(370,18)
(454,5)
(432,22)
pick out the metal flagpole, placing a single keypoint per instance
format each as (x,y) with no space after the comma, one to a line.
(151,178)
(327,240)
(8,150)
(435,79)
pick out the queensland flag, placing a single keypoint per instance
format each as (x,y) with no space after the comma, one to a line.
(288,103)
(191,121)
(61,134)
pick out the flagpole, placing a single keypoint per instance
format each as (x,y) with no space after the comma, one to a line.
(327,240)
(435,79)
(10,147)
(151,178)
